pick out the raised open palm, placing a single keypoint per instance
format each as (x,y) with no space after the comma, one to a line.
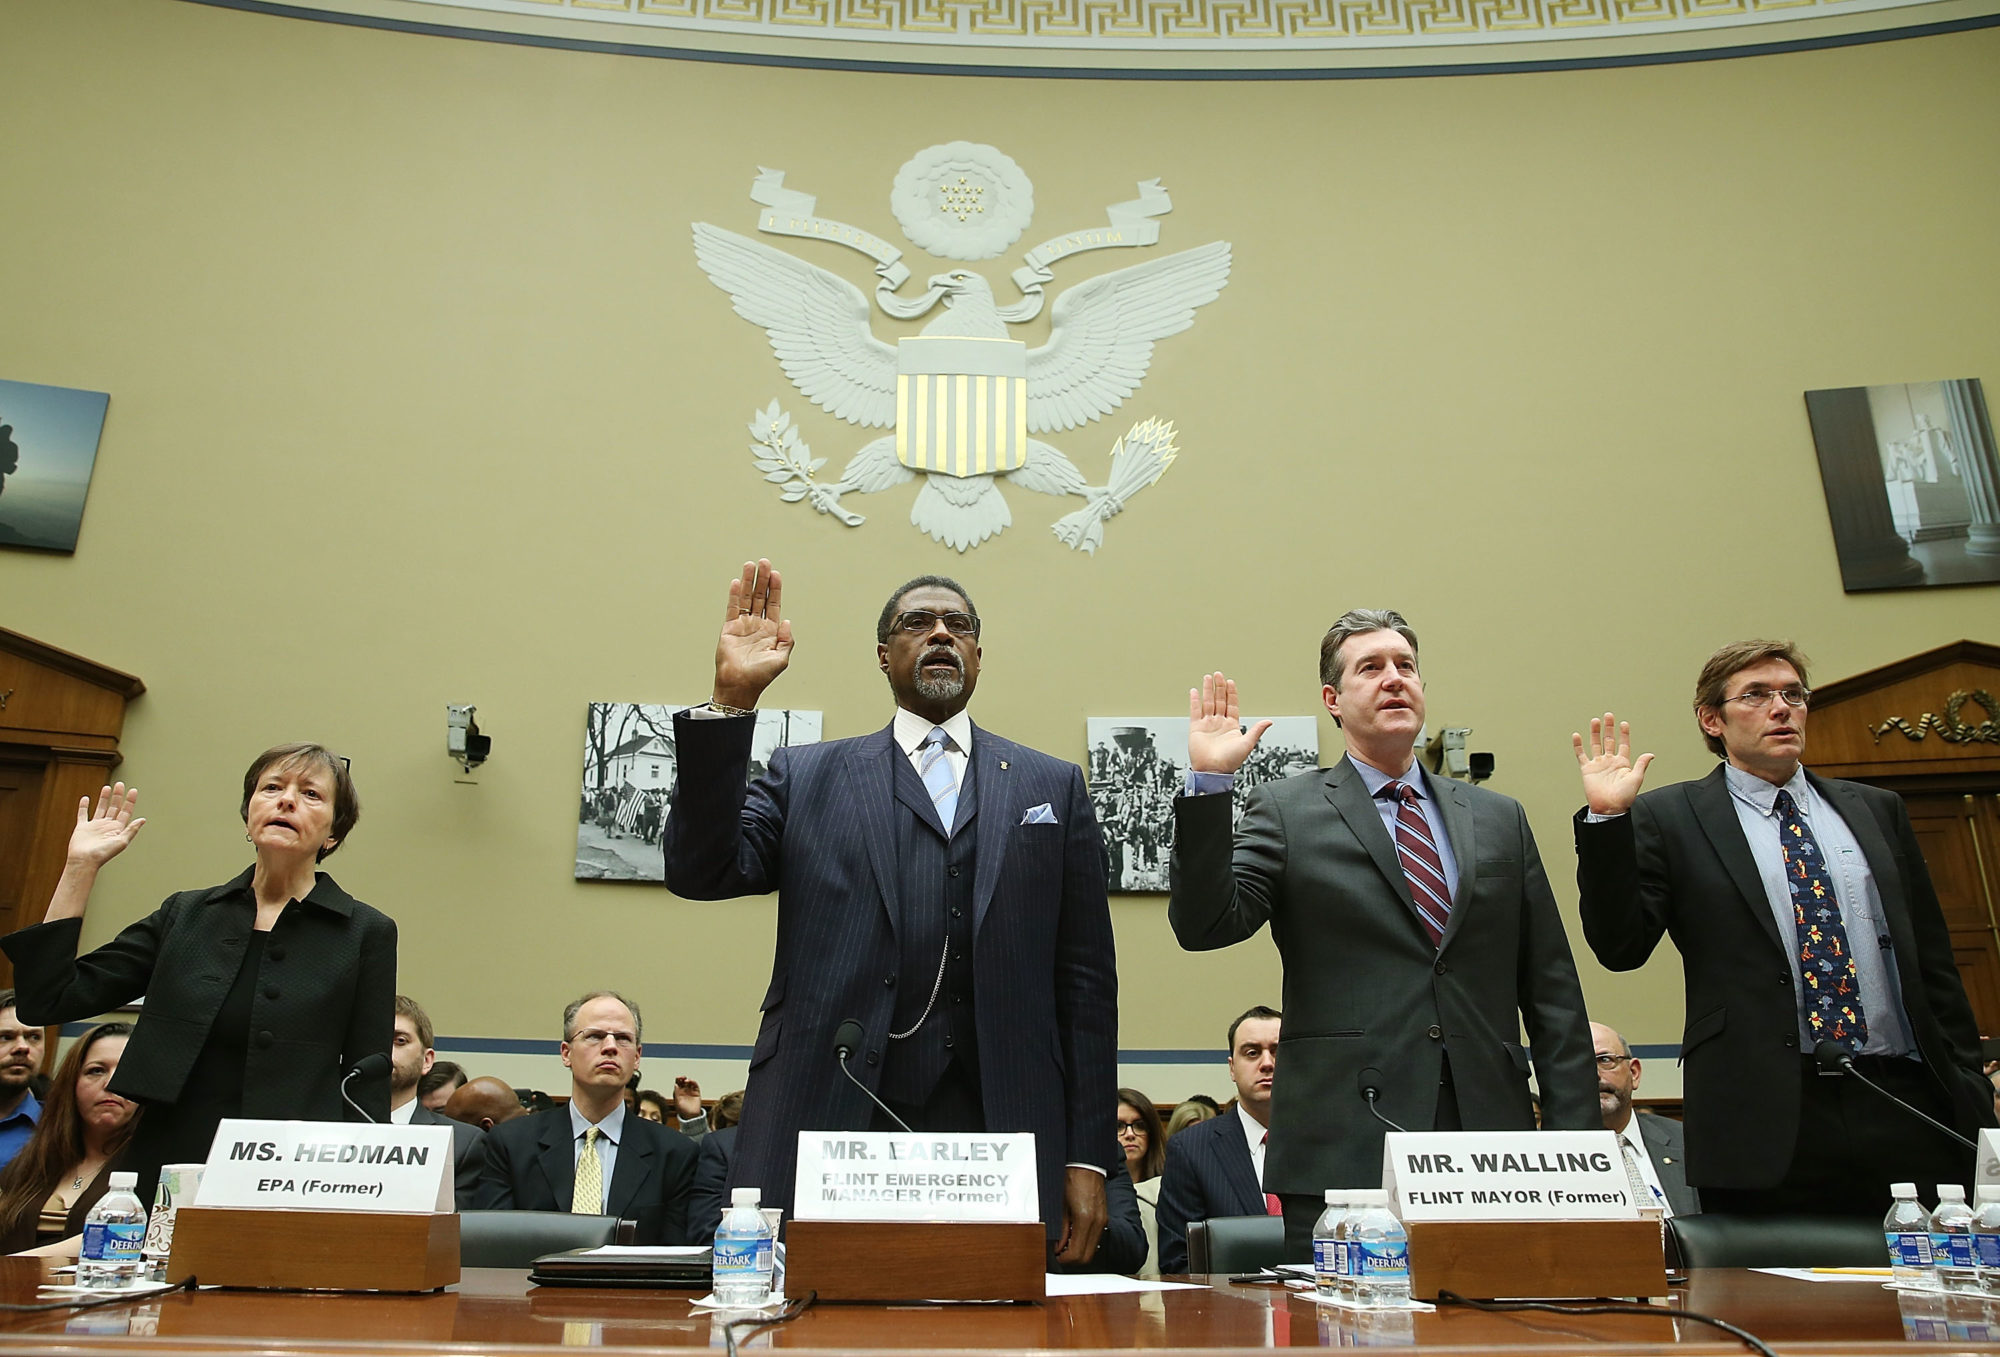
(756,641)
(102,835)
(1611,780)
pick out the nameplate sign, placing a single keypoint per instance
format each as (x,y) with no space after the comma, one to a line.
(1987,1174)
(328,1166)
(1507,1175)
(888,1175)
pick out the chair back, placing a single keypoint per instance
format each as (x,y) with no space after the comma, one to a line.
(518,1238)
(1235,1243)
(1713,1239)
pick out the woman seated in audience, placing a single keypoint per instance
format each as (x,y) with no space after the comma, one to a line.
(1144,1141)
(727,1112)
(1188,1113)
(66,1165)
(656,1106)
(261,993)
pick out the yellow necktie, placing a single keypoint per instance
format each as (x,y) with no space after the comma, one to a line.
(588,1198)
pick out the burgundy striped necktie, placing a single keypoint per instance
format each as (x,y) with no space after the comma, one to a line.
(1422,866)
(1272,1206)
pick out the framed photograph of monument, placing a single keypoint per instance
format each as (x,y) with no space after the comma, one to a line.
(1137,767)
(629,782)
(1912,483)
(48,447)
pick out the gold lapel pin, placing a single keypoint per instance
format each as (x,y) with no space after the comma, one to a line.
(1003,763)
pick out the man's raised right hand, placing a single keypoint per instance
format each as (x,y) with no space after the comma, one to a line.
(756,642)
(1217,742)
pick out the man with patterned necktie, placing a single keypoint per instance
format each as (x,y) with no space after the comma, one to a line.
(937,884)
(1803,914)
(1416,924)
(592,1157)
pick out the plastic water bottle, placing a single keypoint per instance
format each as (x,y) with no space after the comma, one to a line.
(1986,1238)
(1951,1241)
(742,1252)
(1349,1268)
(114,1237)
(1329,1252)
(1907,1228)
(1383,1249)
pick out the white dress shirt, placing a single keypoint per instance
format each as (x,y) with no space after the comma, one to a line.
(400,1116)
(1255,1134)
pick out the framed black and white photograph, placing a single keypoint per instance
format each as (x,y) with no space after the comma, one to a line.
(48,446)
(629,781)
(1137,767)
(1912,483)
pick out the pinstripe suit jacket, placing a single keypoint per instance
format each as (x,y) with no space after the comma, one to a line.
(1209,1172)
(820,829)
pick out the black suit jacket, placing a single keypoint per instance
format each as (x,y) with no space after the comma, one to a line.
(820,829)
(468,1153)
(1666,1148)
(326,996)
(1678,864)
(1209,1172)
(709,1196)
(1364,987)
(531,1166)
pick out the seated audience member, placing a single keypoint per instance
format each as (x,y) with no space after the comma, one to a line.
(1993,1078)
(65,1167)
(1216,1167)
(592,1157)
(20,1061)
(1145,1144)
(411,1057)
(444,1078)
(1652,1145)
(485,1102)
(1187,1114)
(655,1106)
(727,1112)
(709,1197)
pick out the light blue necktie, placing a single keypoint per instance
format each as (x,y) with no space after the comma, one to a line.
(939,780)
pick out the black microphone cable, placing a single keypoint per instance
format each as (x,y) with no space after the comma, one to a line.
(1831,1055)
(371,1066)
(1369,1083)
(756,1324)
(1744,1336)
(846,1037)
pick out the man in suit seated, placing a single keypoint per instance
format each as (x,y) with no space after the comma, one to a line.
(1651,1144)
(1216,1167)
(410,1058)
(591,1157)
(485,1102)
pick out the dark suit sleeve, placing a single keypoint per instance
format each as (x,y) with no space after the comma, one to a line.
(1180,1202)
(371,1023)
(708,1193)
(56,985)
(723,838)
(1224,886)
(471,1163)
(1552,1001)
(496,1181)
(1123,1247)
(677,1171)
(1086,991)
(1621,878)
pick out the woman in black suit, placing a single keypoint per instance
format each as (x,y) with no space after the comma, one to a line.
(261,993)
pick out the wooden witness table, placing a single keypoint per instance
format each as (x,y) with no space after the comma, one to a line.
(494,1311)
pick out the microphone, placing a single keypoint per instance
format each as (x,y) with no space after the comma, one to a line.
(1834,1058)
(847,1039)
(368,1067)
(1369,1082)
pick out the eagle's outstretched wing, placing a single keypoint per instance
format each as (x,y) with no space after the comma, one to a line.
(1102,331)
(817,321)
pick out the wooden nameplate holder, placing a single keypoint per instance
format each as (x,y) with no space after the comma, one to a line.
(900,1260)
(1545,1259)
(315,1250)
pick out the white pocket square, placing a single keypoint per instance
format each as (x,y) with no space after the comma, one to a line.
(1038,815)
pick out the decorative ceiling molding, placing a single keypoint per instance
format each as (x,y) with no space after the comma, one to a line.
(1165,38)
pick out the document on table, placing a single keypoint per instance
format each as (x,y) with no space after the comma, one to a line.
(1874,1276)
(1110,1284)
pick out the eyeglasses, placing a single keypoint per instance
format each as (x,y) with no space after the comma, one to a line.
(918,622)
(591,1036)
(1131,1128)
(1612,1062)
(1756,699)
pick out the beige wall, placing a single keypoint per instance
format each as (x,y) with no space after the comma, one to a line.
(418,396)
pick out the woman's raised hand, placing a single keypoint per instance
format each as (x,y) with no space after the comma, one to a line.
(105,833)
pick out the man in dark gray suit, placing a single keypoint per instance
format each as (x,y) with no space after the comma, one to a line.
(939,885)
(410,1058)
(1651,1144)
(1416,925)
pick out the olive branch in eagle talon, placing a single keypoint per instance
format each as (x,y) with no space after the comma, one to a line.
(786,460)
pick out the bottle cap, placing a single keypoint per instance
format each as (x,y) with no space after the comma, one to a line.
(744,1196)
(124,1182)
(1336,1196)
(1902,1189)
(1951,1192)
